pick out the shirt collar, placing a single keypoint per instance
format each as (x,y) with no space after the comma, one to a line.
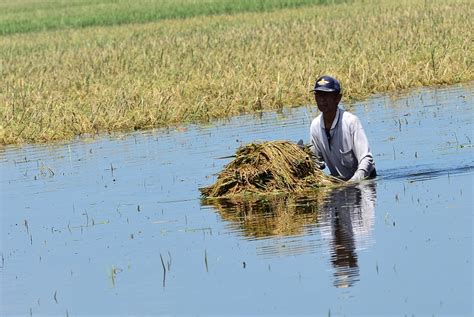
(335,121)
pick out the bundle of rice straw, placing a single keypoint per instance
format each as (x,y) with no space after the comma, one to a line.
(277,166)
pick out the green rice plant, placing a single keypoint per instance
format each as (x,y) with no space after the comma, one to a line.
(59,84)
(22,16)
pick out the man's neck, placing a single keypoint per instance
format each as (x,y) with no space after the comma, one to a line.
(329,118)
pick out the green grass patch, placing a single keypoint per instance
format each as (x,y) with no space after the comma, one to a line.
(24,16)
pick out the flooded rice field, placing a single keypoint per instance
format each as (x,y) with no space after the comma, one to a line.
(115,225)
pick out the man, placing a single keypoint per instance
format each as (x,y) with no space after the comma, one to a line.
(337,136)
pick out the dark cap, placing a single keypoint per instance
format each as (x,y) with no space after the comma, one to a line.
(328,84)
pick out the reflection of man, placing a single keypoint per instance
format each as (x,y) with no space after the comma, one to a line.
(346,221)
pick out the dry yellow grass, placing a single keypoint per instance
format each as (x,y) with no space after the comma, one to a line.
(59,84)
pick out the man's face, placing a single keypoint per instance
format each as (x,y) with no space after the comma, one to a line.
(327,101)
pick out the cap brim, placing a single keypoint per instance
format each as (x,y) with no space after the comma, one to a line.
(326,89)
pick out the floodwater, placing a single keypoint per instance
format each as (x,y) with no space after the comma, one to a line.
(115,225)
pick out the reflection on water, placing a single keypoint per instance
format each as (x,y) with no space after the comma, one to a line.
(343,216)
(278,215)
(347,220)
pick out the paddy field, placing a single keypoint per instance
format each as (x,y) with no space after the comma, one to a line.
(81,67)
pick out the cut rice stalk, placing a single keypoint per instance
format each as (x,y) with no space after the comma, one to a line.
(277,166)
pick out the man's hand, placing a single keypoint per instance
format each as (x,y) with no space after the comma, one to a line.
(319,163)
(357,177)
(300,144)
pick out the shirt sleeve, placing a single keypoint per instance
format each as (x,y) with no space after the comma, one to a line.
(361,150)
(318,156)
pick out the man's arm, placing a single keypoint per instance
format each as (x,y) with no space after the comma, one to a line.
(362,153)
(317,154)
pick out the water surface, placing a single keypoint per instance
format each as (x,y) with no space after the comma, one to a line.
(115,225)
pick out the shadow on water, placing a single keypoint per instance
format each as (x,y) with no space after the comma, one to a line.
(343,216)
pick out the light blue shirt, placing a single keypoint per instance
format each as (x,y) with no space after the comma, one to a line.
(347,155)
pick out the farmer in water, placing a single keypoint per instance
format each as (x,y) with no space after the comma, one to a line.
(337,137)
